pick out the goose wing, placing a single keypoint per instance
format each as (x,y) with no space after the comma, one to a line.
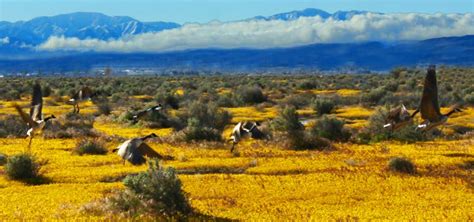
(394,115)
(128,151)
(26,118)
(36,103)
(147,151)
(140,114)
(429,106)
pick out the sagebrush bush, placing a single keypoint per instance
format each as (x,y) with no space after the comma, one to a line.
(469,99)
(196,132)
(205,121)
(103,107)
(160,119)
(287,120)
(308,84)
(330,128)
(401,165)
(90,146)
(302,140)
(71,125)
(251,95)
(12,126)
(157,192)
(22,167)
(207,115)
(323,106)
(298,100)
(294,132)
(3,159)
(373,96)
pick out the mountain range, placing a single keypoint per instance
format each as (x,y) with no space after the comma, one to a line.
(81,25)
(19,39)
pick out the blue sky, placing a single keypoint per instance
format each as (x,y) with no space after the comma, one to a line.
(182,11)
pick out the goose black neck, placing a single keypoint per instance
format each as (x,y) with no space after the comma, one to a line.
(414,113)
(147,137)
(48,118)
(450,112)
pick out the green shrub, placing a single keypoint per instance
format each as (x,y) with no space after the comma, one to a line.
(297,100)
(103,106)
(287,120)
(469,98)
(296,137)
(308,84)
(401,165)
(70,125)
(330,128)
(373,96)
(12,126)
(207,115)
(3,159)
(22,167)
(251,95)
(204,122)
(195,132)
(158,191)
(323,106)
(90,146)
(302,140)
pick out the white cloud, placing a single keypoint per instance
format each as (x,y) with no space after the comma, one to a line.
(277,33)
(4,40)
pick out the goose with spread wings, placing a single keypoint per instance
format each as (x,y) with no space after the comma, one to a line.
(135,150)
(245,128)
(429,107)
(398,118)
(83,94)
(35,119)
(142,113)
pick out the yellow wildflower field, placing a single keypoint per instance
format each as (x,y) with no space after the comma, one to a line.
(263,182)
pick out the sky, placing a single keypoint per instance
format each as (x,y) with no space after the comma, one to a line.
(203,11)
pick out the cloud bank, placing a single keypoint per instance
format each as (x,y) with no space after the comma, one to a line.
(277,33)
(5,41)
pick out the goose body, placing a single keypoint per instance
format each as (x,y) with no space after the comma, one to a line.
(34,120)
(429,106)
(134,150)
(245,128)
(83,94)
(143,113)
(398,118)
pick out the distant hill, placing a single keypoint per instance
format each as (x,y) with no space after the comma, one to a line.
(368,55)
(81,25)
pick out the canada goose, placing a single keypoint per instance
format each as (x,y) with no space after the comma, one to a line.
(84,94)
(429,106)
(142,113)
(35,120)
(398,118)
(242,129)
(133,150)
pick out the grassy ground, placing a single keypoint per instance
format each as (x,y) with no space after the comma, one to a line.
(264,182)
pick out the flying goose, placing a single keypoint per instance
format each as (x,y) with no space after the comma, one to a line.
(35,120)
(83,94)
(242,129)
(143,113)
(398,118)
(133,150)
(429,107)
